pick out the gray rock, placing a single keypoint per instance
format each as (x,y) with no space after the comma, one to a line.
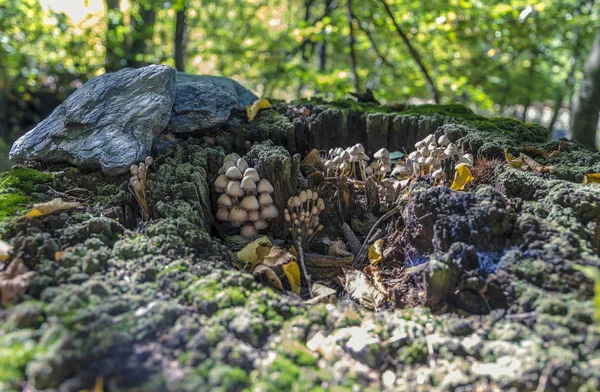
(109,123)
(204,102)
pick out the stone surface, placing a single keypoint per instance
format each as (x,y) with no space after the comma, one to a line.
(205,102)
(109,123)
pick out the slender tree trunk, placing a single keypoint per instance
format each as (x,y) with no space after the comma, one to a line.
(180,28)
(586,105)
(352,43)
(142,32)
(112,58)
(415,55)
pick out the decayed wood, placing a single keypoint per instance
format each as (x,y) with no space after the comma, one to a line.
(325,267)
(353,242)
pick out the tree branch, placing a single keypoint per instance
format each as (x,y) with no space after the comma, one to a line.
(415,55)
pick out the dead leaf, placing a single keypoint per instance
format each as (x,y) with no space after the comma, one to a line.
(462,177)
(58,255)
(362,290)
(5,250)
(277,257)
(14,281)
(543,153)
(312,158)
(375,274)
(592,178)
(252,110)
(49,207)
(255,251)
(269,275)
(321,289)
(376,252)
(512,160)
(533,165)
(338,248)
(292,272)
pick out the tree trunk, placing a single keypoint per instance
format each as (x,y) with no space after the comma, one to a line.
(142,32)
(352,43)
(112,60)
(586,105)
(180,28)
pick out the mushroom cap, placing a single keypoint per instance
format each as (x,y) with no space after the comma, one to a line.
(221,181)
(432,146)
(464,161)
(149,161)
(429,160)
(368,170)
(242,164)
(421,160)
(400,171)
(238,215)
(355,151)
(413,156)
(225,201)
(339,151)
(264,186)
(360,147)
(233,158)
(252,173)
(345,155)
(250,203)
(424,151)
(328,164)
(430,138)
(302,196)
(382,153)
(419,144)
(331,152)
(261,224)
(248,231)
(268,212)
(134,170)
(253,216)
(264,199)
(234,189)
(374,165)
(248,184)
(227,165)
(386,168)
(234,173)
(443,141)
(437,174)
(362,156)
(451,150)
(469,157)
(337,160)
(222,214)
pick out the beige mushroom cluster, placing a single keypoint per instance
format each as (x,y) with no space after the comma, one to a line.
(344,162)
(381,165)
(246,198)
(137,183)
(427,158)
(302,216)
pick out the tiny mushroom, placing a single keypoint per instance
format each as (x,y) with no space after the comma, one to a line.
(264,186)
(234,173)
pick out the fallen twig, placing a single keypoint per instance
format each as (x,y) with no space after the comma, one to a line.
(303,266)
(353,242)
(361,252)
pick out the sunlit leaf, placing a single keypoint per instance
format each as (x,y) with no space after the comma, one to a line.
(58,255)
(255,251)
(362,290)
(5,250)
(292,272)
(51,206)
(268,275)
(252,110)
(277,257)
(514,162)
(592,178)
(462,177)
(533,165)
(376,252)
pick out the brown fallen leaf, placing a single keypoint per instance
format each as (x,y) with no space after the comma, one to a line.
(268,275)
(338,248)
(252,110)
(362,290)
(543,153)
(375,275)
(277,257)
(14,281)
(533,165)
(49,207)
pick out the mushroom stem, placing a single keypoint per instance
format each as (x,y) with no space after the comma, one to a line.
(303,266)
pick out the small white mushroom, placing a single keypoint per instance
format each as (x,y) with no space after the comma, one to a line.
(443,141)
(221,182)
(242,164)
(451,150)
(233,158)
(234,173)
(252,173)
(268,212)
(264,186)
(225,201)
(400,171)
(248,231)
(261,224)
(360,147)
(253,216)
(413,156)
(234,189)
(264,199)
(238,215)
(430,138)
(223,214)
(248,184)
(250,203)
(382,153)
(438,174)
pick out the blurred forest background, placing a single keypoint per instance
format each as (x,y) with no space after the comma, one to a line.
(517,58)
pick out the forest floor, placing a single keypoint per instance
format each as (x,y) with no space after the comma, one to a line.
(474,289)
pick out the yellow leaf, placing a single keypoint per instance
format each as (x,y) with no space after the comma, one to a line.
(514,162)
(98,386)
(592,178)
(50,207)
(269,275)
(252,110)
(251,254)
(313,157)
(58,255)
(462,177)
(5,250)
(292,272)
(376,252)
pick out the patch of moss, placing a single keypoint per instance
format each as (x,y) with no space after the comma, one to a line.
(16,351)
(20,187)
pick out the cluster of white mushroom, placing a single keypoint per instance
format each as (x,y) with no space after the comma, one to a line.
(137,183)
(302,215)
(239,204)
(382,164)
(427,159)
(343,162)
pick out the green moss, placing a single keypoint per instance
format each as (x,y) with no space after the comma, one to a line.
(20,187)
(16,351)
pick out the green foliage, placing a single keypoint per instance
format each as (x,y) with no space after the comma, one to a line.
(594,274)
(18,188)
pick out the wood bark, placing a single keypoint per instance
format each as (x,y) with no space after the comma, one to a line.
(352,44)
(180,31)
(586,105)
(113,21)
